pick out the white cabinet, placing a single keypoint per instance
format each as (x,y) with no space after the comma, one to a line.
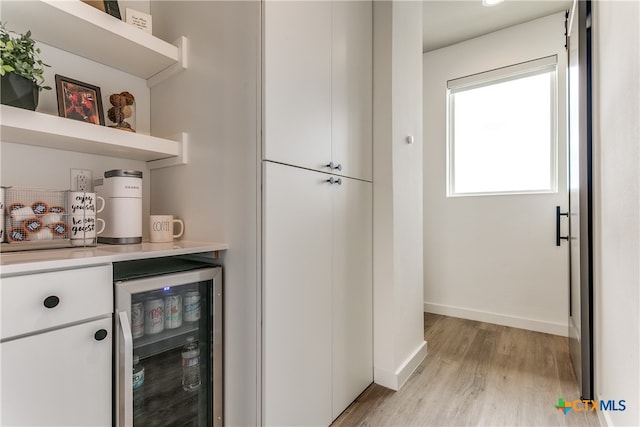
(352,93)
(41,301)
(317,294)
(317,243)
(297,83)
(318,85)
(297,296)
(58,378)
(56,348)
(352,291)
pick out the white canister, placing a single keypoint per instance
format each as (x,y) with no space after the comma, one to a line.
(153,316)
(122,192)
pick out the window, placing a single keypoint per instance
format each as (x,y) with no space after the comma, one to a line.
(502,131)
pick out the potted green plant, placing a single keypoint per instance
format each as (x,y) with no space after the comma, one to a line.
(21,70)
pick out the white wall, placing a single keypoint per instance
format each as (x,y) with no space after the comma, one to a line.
(399,344)
(616,136)
(462,233)
(216,102)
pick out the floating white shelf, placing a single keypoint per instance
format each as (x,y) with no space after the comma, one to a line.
(83,30)
(45,130)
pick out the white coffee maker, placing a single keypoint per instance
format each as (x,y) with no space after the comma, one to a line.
(122,213)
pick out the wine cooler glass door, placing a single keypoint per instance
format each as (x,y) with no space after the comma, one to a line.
(168,372)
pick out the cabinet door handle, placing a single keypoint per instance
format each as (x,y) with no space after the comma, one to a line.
(333,166)
(332,180)
(100,334)
(51,301)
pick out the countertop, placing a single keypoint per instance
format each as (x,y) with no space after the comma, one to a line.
(12,263)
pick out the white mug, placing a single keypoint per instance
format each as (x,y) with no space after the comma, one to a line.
(82,229)
(161,228)
(81,203)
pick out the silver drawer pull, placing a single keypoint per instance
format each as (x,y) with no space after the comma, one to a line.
(332,180)
(333,166)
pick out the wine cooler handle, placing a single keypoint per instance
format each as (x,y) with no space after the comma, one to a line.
(125,405)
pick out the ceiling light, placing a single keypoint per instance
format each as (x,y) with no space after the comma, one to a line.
(489,3)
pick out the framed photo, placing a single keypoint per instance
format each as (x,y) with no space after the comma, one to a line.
(107,6)
(111,7)
(79,101)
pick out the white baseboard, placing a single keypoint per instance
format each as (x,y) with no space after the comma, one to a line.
(411,363)
(395,380)
(561,329)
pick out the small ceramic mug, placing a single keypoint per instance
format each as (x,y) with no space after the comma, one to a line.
(81,203)
(83,230)
(161,228)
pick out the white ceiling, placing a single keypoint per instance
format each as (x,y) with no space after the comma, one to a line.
(447,22)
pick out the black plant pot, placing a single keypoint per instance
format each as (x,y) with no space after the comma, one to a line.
(19,91)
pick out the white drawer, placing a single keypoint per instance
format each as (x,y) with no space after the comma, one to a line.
(71,296)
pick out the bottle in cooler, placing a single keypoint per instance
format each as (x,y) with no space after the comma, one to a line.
(138,385)
(191,365)
(138,373)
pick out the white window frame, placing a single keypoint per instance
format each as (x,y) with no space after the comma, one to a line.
(512,72)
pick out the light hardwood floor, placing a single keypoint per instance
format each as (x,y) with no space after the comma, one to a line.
(477,374)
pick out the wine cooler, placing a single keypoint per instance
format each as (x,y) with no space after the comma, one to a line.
(169,347)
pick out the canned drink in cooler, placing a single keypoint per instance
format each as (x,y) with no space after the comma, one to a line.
(172,311)
(153,316)
(191,306)
(137,319)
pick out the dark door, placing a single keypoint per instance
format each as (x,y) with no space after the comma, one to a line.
(580,196)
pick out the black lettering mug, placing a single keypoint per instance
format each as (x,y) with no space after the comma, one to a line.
(161,228)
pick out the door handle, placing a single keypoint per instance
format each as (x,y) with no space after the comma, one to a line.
(51,301)
(558,236)
(333,166)
(100,334)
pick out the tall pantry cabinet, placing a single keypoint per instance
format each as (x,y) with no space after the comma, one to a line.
(317,209)
(318,85)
